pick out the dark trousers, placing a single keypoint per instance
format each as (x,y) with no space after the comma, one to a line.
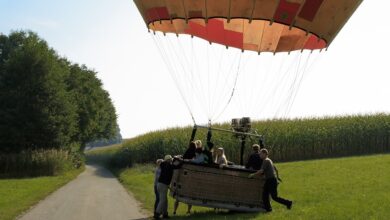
(157,197)
(271,188)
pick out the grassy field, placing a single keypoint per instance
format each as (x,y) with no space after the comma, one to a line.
(344,188)
(18,195)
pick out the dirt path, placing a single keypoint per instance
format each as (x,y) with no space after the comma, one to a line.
(95,194)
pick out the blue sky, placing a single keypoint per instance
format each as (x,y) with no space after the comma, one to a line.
(109,36)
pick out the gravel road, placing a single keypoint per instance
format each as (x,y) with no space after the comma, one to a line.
(95,194)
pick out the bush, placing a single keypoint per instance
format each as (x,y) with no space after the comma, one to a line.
(34,163)
(121,159)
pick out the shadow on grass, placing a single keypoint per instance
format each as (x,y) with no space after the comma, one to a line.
(218,215)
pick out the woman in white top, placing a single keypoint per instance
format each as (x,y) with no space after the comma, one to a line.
(220,158)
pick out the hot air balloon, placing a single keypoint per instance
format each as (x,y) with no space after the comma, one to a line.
(208,45)
(257,25)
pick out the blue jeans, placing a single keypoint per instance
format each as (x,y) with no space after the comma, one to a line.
(162,207)
(157,197)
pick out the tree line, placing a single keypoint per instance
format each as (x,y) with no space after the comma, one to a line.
(46,101)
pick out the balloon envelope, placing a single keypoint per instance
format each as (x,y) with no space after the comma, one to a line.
(256,25)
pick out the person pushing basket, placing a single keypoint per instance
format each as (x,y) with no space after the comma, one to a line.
(271,182)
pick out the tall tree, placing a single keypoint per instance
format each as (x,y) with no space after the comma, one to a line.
(46,101)
(35,106)
(96,113)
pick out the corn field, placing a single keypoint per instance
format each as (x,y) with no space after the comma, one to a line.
(38,163)
(287,140)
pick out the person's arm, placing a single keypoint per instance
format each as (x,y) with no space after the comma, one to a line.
(261,171)
(277,173)
(177,163)
(258,173)
(193,134)
(210,144)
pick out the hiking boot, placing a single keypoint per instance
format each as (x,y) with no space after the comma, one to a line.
(165,216)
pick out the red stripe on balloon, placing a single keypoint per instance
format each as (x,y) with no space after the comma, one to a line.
(215,32)
(309,9)
(314,43)
(286,12)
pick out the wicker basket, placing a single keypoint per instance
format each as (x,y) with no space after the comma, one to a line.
(227,188)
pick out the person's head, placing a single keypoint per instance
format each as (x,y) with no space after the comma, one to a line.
(220,151)
(192,145)
(198,151)
(263,153)
(159,161)
(168,158)
(256,147)
(198,143)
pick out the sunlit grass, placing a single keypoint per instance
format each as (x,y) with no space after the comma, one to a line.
(345,188)
(18,195)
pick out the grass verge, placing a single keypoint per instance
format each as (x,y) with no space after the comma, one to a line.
(18,195)
(344,188)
